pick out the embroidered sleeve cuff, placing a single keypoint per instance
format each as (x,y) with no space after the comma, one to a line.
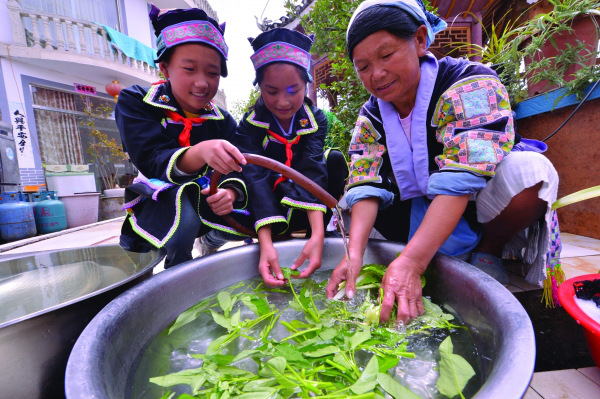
(271,220)
(174,175)
(239,187)
(307,206)
(386,198)
(454,183)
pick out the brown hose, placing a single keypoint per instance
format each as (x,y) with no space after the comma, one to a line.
(284,170)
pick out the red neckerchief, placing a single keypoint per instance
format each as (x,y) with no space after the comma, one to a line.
(184,136)
(288,152)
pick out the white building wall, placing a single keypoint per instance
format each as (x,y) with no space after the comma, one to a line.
(5,29)
(138,23)
(14,72)
(18,95)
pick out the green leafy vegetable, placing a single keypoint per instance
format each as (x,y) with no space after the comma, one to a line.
(318,356)
(368,378)
(394,388)
(455,371)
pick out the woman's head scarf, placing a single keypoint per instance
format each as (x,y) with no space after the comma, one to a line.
(414,8)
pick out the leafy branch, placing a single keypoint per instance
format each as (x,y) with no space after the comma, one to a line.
(103,150)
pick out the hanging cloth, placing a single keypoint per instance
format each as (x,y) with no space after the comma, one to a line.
(184,136)
(288,152)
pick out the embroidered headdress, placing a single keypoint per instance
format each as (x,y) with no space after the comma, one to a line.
(384,20)
(282,45)
(181,26)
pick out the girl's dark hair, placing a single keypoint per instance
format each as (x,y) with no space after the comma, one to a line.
(380,17)
(260,76)
(166,56)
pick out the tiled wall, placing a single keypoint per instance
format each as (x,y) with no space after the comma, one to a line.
(32,176)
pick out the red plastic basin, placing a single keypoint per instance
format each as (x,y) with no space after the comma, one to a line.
(591,328)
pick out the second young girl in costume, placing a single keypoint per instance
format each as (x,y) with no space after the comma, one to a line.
(175,136)
(285,126)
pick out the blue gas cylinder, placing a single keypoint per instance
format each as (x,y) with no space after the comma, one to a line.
(50,215)
(30,198)
(16,218)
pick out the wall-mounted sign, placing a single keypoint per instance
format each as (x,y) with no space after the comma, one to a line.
(85,89)
(22,135)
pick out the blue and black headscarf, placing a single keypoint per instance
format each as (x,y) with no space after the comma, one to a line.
(400,17)
(282,45)
(180,26)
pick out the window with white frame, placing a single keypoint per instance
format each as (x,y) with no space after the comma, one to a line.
(63,135)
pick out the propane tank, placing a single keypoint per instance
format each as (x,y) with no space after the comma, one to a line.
(16,218)
(50,215)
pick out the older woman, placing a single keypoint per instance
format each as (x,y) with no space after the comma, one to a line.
(436,162)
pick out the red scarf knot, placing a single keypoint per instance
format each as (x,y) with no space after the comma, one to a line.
(289,154)
(184,136)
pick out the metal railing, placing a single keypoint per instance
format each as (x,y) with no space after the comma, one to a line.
(49,32)
(205,5)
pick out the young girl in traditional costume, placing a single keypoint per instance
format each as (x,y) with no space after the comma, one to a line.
(285,126)
(436,162)
(175,135)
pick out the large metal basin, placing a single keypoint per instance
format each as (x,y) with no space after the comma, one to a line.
(106,356)
(35,347)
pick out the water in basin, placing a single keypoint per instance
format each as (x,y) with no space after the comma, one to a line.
(170,353)
(30,285)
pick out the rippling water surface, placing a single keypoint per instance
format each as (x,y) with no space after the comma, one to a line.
(172,353)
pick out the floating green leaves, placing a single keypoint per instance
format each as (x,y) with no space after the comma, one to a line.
(455,371)
(318,355)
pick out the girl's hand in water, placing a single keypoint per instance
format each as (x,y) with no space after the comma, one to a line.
(221,202)
(268,265)
(313,251)
(346,270)
(222,156)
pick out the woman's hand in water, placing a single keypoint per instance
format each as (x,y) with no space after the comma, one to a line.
(268,265)
(313,251)
(402,284)
(221,202)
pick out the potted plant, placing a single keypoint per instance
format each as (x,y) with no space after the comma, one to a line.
(104,152)
(500,53)
(552,49)
(561,47)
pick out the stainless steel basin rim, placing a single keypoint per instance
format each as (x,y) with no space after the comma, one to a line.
(105,357)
